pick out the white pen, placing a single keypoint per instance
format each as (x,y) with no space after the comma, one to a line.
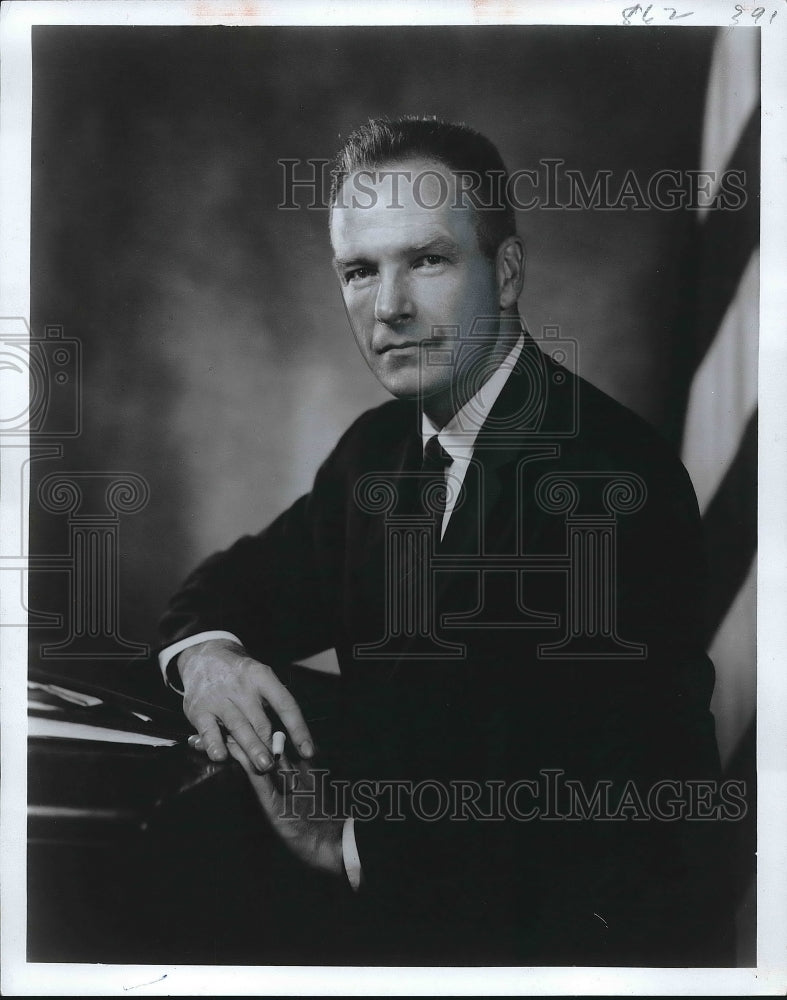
(277,746)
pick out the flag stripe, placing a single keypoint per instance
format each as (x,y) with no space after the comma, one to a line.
(724,392)
(727,241)
(731,96)
(731,529)
(733,652)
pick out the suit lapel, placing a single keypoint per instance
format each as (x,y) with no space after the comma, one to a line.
(520,439)
(520,429)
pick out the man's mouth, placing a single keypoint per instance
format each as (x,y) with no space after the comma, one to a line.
(406,345)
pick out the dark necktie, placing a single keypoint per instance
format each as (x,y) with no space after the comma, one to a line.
(436,460)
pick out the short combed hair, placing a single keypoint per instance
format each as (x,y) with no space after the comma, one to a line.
(382,141)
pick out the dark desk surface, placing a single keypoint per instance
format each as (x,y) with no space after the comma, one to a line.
(144,854)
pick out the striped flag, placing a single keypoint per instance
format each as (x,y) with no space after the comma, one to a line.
(720,432)
(720,429)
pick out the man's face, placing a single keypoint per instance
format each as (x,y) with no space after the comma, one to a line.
(408,271)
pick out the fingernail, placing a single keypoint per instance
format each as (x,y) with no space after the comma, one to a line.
(216,753)
(263,762)
(307,749)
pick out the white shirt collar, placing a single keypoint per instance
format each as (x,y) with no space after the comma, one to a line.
(459,435)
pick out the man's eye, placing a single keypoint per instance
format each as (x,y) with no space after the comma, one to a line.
(430,260)
(358,274)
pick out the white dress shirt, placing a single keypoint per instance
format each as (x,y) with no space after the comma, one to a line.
(459,435)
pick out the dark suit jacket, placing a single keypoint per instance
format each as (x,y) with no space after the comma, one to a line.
(572,891)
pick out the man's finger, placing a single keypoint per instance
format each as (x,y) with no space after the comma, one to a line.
(211,737)
(243,731)
(237,753)
(287,709)
(260,722)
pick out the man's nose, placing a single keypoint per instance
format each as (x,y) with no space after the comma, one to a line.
(393,303)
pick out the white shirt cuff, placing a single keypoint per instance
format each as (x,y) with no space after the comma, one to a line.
(352,862)
(167,654)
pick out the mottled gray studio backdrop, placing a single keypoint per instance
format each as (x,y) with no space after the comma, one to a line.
(217,362)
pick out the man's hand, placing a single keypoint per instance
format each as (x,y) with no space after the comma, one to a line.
(225,687)
(291,800)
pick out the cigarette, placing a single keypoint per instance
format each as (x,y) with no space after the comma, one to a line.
(277,746)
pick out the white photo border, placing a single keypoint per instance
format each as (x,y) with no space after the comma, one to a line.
(770,976)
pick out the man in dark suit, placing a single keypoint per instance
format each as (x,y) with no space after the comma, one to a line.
(508,565)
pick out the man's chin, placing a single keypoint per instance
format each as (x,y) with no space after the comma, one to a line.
(411,389)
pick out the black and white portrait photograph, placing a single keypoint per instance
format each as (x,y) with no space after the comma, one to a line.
(393,498)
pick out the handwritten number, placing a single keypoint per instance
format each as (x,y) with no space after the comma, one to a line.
(643,13)
(636,9)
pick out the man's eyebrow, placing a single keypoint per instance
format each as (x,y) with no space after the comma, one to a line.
(437,245)
(359,261)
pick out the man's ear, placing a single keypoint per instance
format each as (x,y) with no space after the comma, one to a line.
(510,269)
